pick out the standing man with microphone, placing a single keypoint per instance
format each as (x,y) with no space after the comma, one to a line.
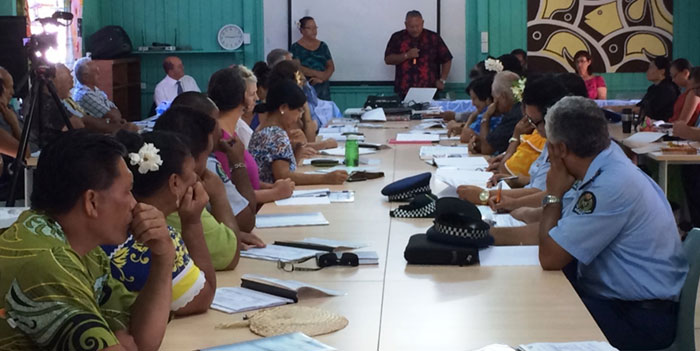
(420,55)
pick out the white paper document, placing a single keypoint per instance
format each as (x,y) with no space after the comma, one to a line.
(568,346)
(304,201)
(290,220)
(508,256)
(437,151)
(476,163)
(340,151)
(648,148)
(337,244)
(642,138)
(340,136)
(272,252)
(429,131)
(457,177)
(285,342)
(375,115)
(417,137)
(234,300)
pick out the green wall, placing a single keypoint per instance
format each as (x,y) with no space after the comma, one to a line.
(8,8)
(196,24)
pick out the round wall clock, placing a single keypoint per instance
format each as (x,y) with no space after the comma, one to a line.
(230,37)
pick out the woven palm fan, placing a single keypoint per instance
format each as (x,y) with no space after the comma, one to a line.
(289,319)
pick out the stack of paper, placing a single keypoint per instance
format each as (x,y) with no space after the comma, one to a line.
(340,136)
(306,197)
(336,244)
(234,300)
(476,163)
(367,257)
(273,252)
(457,177)
(413,137)
(285,342)
(290,220)
(437,151)
(642,139)
(499,219)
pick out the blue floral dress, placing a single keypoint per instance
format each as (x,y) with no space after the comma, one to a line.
(268,145)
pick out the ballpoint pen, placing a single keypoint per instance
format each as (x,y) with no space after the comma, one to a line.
(498,192)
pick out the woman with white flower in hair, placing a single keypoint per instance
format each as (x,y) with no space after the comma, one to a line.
(494,141)
(164,176)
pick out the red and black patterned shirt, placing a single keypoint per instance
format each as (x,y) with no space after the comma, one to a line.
(426,70)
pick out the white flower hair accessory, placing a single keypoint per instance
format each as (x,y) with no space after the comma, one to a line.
(518,88)
(147,158)
(493,65)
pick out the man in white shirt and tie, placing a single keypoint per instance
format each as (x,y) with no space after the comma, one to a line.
(175,81)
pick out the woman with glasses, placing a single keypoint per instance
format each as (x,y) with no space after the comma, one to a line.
(315,57)
(595,85)
(687,106)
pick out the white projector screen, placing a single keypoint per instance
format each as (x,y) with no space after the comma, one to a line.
(357,32)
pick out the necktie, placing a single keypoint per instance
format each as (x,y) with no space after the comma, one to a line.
(179,87)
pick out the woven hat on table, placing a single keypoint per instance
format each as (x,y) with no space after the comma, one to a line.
(311,321)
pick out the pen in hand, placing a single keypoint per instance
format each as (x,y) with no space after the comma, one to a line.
(498,192)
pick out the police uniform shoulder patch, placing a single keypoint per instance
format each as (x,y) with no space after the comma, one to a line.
(585,203)
(221,173)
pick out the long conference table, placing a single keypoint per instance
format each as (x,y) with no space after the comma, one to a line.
(395,306)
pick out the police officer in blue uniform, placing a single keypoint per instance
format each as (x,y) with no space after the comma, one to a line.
(618,226)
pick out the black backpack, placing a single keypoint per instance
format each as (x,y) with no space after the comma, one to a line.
(109,42)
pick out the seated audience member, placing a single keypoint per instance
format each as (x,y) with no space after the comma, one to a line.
(658,101)
(64,84)
(233,154)
(479,90)
(10,128)
(521,55)
(262,72)
(314,57)
(492,142)
(523,149)
(227,89)
(219,222)
(290,70)
(687,106)
(616,230)
(690,173)
(175,82)
(86,93)
(233,90)
(63,290)
(163,171)
(270,145)
(595,85)
(276,56)
(50,123)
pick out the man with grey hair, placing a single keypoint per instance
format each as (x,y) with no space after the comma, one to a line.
(616,231)
(93,100)
(276,56)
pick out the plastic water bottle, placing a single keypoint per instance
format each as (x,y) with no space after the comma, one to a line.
(352,151)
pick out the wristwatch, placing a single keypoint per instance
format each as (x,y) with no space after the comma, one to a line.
(550,199)
(443,81)
(484,196)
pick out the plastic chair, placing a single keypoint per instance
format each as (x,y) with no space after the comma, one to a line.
(685,332)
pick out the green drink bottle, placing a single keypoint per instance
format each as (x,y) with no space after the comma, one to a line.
(352,151)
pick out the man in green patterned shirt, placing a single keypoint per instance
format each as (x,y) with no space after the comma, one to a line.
(56,290)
